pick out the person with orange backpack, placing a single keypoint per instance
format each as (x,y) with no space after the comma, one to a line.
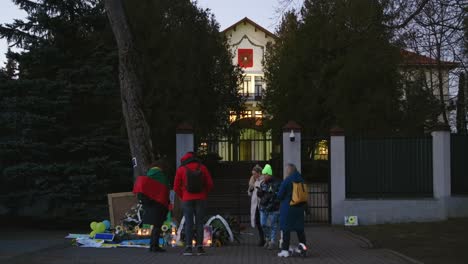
(293,194)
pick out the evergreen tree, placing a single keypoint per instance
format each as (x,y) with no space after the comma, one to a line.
(335,66)
(62,142)
(186,67)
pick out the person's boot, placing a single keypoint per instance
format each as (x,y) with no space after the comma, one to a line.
(283,254)
(272,245)
(158,249)
(152,245)
(200,251)
(188,251)
(261,242)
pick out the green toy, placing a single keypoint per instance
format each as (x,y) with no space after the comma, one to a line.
(168,223)
(97,228)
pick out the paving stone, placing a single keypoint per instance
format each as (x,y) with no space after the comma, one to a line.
(326,245)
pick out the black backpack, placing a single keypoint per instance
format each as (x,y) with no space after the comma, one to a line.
(194,180)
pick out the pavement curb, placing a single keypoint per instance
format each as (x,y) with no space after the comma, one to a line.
(360,239)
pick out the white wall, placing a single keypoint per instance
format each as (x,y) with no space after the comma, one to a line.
(246,36)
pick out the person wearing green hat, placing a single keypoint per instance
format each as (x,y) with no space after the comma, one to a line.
(269,206)
(152,190)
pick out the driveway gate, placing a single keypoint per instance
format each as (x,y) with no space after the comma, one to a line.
(315,160)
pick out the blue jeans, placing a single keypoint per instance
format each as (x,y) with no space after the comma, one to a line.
(197,209)
(269,222)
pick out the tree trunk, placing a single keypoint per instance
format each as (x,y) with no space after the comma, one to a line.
(461,106)
(131,88)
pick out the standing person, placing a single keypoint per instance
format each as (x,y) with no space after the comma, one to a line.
(153,193)
(192,184)
(254,183)
(269,206)
(291,216)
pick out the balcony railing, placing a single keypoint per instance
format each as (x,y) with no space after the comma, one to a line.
(257,96)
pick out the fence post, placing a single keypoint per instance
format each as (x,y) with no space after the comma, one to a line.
(338,175)
(184,141)
(441,163)
(291,145)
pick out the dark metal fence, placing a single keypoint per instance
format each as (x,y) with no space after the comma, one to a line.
(459,164)
(251,146)
(319,203)
(389,167)
(315,163)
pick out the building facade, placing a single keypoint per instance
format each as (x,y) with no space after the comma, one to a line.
(248,43)
(249,141)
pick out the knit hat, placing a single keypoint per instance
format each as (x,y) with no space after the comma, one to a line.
(267,170)
(157,174)
(257,168)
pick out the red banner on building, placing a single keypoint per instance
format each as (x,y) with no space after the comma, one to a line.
(245,58)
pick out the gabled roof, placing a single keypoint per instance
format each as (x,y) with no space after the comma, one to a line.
(249,21)
(409,58)
(414,59)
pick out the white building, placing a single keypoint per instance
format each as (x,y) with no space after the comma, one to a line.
(248,42)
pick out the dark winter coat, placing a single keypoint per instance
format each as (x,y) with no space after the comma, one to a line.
(267,193)
(291,217)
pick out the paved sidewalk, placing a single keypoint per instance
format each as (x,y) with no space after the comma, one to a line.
(326,245)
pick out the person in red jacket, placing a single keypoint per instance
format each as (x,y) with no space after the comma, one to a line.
(192,184)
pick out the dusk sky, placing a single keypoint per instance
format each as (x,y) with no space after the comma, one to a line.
(227,12)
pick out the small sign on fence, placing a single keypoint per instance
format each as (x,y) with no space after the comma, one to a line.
(351,220)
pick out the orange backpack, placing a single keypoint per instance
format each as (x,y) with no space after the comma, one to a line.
(300,193)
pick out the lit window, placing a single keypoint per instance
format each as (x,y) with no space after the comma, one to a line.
(321,150)
(259,114)
(234,117)
(203,148)
(246,114)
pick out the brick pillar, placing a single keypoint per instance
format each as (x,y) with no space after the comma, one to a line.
(338,175)
(291,145)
